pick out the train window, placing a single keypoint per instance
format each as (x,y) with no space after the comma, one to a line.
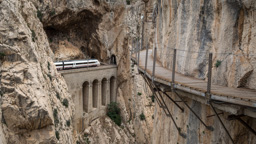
(81,63)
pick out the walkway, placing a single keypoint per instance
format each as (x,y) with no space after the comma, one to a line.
(240,96)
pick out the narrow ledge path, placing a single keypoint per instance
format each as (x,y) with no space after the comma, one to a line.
(239,96)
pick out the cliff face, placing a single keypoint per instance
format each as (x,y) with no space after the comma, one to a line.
(196,28)
(32,91)
(34,34)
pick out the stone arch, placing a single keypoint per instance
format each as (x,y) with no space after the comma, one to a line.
(113,59)
(112,89)
(95,89)
(104,83)
(85,97)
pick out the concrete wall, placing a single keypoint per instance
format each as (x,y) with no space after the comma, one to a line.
(80,85)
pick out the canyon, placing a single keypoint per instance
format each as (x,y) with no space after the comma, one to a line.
(38,105)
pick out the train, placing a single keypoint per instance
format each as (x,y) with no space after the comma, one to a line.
(76,64)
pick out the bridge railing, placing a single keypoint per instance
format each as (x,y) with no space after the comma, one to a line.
(160,100)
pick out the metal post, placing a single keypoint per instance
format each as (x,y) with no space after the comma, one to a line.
(145,71)
(209,76)
(173,69)
(154,65)
(142,35)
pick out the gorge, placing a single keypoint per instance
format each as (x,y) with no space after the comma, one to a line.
(38,105)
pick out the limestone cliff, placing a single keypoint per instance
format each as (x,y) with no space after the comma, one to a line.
(34,34)
(196,28)
(32,92)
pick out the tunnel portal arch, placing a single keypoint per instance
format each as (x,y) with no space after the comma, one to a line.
(113,59)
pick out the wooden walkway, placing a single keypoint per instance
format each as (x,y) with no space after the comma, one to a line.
(239,96)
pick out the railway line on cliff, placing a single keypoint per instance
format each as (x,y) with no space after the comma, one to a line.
(166,82)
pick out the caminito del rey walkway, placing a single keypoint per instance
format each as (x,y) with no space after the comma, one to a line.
(162,80)
(240,96)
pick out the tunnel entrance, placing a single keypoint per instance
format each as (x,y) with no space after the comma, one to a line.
(113,60)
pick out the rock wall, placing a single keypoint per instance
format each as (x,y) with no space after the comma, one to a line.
(32,92)
(34,34)
(196,28)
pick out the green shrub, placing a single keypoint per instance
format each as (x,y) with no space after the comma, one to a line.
(49,66)
(40,15)
(113,112)
(1,93)
(77,142)
(128,2)
(52,12)
(86,139)
(58,95)
(33,35)
(68,123)
(153,117)
(153,98)
(2,55)
(142,116)
(49,76)
(55,116)
(65,102)
(139,93)
(50,40)
(57,134)
(218,63)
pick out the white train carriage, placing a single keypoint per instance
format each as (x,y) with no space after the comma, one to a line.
(76,64)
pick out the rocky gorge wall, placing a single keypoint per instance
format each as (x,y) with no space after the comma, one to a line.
(196,28)
(32,92)
(34,34)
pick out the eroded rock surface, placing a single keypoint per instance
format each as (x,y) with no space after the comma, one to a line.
(32,91)
(196,28)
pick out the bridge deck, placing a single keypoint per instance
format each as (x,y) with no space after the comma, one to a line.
(239,96)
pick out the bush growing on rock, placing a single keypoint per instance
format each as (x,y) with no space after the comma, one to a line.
(218,63)
(57,134)
(113,112)
(142,116)
(55,116)
(68,123)
(65,102)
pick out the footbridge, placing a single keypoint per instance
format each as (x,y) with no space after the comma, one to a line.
(168,84)
(92,89)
